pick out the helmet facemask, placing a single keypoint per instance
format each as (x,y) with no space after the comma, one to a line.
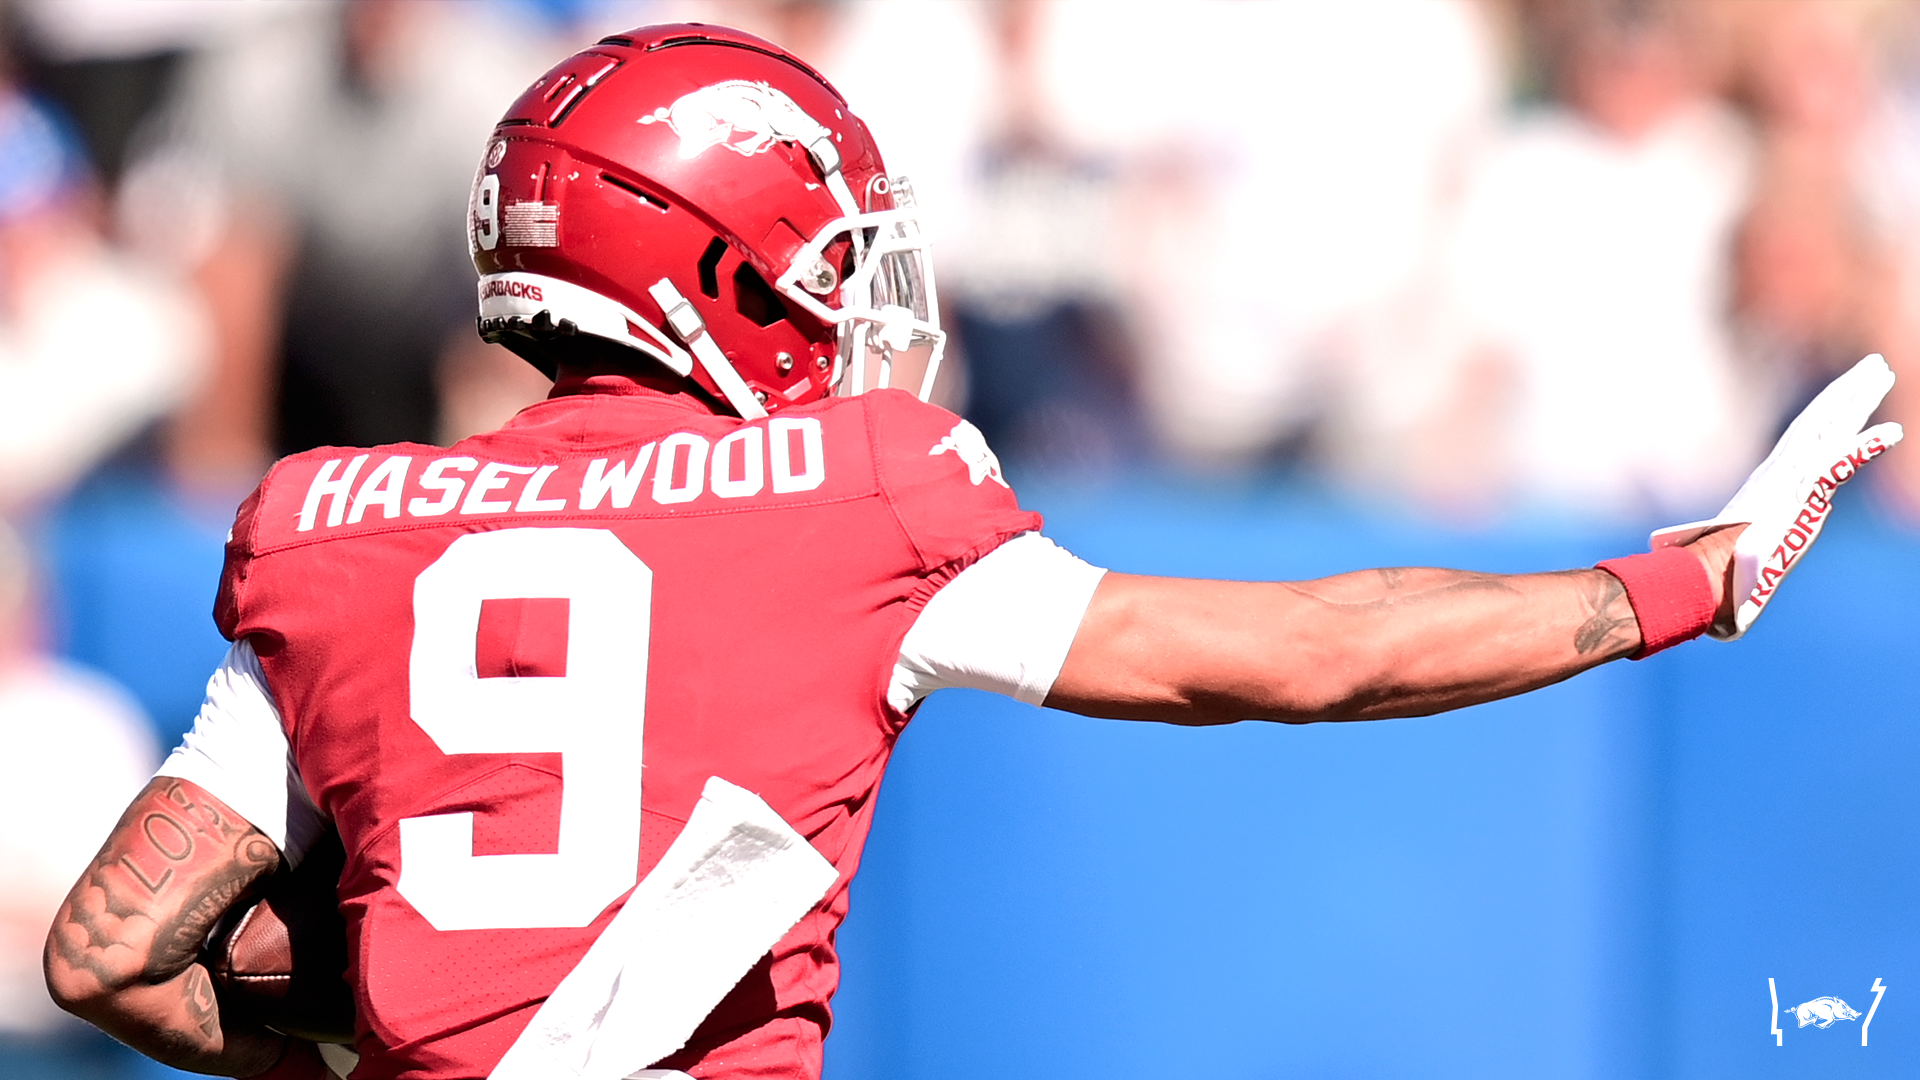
(888,311)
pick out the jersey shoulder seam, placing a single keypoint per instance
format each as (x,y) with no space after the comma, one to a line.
(880,482)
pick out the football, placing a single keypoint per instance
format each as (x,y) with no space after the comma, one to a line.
(280,959)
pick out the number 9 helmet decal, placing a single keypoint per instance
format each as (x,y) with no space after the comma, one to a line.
(704,198)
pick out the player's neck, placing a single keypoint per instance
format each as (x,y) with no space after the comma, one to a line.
(611,378)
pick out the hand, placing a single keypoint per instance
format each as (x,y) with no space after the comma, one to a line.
(1788,498)
(1715,548)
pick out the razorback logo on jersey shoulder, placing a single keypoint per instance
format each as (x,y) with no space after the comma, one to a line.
(780,460)
(967,444)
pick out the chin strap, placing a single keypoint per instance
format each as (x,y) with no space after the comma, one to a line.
(826,158)
(690,328)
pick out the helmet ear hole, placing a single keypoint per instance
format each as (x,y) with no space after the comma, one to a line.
(754,298)
(710,268)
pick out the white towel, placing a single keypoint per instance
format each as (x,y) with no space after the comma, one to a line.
(735,880)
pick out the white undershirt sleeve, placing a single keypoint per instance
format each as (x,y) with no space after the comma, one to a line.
(1003,624)
(238,752)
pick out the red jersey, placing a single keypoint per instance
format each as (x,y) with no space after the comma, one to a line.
(542,641)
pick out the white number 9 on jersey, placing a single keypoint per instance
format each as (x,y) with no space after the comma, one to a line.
(593,717)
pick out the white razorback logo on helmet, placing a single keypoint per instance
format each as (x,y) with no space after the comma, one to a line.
(970,446)
(1821,1012)
(745,117)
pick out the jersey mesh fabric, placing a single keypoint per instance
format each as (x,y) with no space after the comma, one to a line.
(777,615)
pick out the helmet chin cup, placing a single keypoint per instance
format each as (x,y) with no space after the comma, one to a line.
(706,199)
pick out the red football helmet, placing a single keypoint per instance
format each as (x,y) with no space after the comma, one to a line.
(705,198)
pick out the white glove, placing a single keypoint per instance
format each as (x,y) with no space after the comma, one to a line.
(1788,498)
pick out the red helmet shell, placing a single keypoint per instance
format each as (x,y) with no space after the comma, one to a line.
(670,152)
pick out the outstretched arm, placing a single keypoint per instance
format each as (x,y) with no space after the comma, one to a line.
(1361,646)
(124,951)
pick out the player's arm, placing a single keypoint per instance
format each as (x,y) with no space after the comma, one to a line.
(124,951)
(1361,646)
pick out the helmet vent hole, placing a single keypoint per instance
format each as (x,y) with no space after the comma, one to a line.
(636,191)
(754,298)
(710,268)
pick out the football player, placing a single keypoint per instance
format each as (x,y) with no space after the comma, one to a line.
(664,627)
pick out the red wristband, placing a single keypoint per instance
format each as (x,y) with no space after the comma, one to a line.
(1672,596)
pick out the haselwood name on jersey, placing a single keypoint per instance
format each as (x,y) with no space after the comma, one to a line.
(786,456)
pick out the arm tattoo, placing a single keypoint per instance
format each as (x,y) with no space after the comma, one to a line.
(1611,625)
(1386,588)
(200,1002)
(173,865)
(141,912)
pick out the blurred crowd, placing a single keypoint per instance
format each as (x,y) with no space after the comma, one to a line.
(1480,258)
(1478,255)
